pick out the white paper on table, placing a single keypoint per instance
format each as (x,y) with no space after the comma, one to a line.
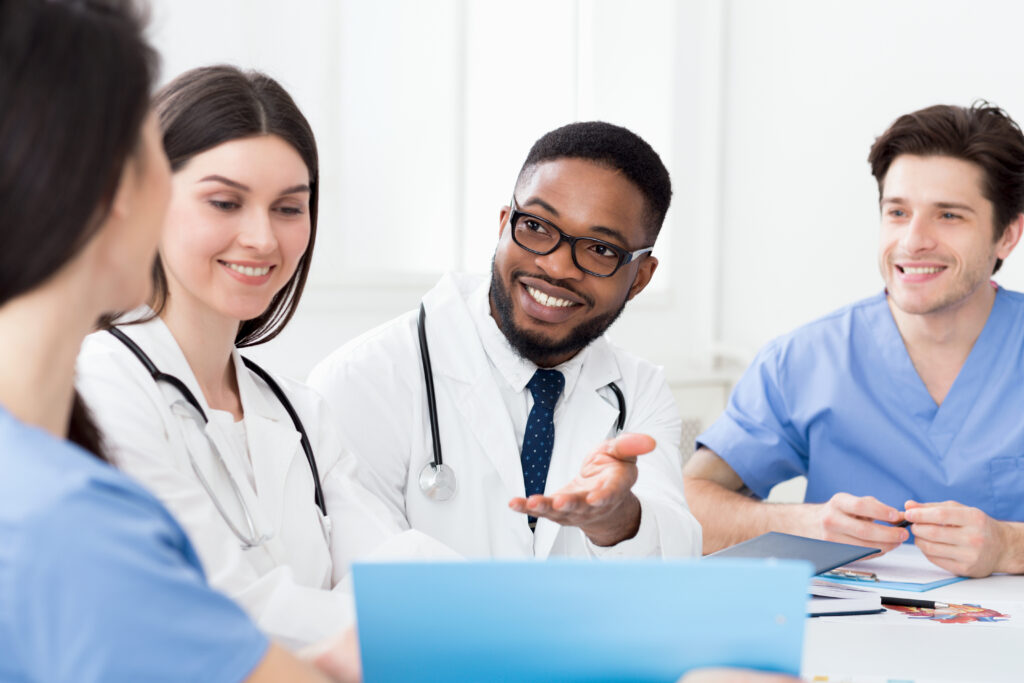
(905,564)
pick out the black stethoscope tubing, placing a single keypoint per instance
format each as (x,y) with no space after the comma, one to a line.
(307,447)
(620,422)
(428,378)
(158,376)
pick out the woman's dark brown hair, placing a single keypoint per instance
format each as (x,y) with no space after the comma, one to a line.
(206,107)
(75,82)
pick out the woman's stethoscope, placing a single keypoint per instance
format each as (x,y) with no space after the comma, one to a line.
(251,538)
(437,480)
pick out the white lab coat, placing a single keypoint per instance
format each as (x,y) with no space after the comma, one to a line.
(292,585)
(375,387)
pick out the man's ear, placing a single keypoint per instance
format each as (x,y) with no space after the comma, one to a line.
(644,273)
(503,215)
(1010,238)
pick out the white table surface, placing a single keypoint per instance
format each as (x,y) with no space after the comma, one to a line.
(894,647)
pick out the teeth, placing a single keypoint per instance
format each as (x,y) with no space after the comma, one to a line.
(545,300)
(246,270)
(920,271)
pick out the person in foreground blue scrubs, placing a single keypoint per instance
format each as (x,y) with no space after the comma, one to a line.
(906,406)
(97,580)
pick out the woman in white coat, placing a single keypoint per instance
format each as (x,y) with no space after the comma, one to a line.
(231,266)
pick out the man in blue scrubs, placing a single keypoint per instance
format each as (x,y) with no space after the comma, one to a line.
(909,405)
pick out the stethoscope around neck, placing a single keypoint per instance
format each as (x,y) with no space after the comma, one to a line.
(437,480)
(250,537)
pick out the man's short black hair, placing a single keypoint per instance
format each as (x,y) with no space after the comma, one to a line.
(617,148)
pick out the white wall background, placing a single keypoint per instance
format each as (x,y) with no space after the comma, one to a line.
(763,112)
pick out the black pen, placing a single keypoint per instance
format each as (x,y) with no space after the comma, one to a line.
(913,602)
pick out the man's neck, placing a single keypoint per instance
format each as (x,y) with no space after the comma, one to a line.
(939,343)
(545,361)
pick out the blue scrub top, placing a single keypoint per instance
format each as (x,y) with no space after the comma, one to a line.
(97,580)
(839,401)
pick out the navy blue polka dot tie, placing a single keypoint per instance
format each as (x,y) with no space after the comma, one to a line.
(546,386)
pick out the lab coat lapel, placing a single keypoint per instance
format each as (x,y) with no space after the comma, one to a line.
(156,340)
(209,464)
(479,405)
(457,356)
(274,444)
(586,420)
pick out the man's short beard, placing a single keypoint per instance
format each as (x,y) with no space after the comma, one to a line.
(537,348)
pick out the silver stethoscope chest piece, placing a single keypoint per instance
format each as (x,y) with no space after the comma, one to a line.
(437,481)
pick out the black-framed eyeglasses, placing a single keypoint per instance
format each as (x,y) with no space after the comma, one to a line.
(593,256)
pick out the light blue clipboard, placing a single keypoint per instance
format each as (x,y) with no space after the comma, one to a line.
(577,620)
(894,585)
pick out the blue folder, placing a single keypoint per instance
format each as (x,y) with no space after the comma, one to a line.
(824,555)
(896,585)
(577,620)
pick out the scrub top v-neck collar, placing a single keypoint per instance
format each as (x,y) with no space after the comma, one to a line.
(941,423)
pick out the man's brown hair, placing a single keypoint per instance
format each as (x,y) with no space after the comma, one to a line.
(981,134)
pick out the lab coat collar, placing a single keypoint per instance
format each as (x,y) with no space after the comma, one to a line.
(270,432)
(588,418)
(516,370)
(156,339)
(449,322)
(257,397)
(268,428)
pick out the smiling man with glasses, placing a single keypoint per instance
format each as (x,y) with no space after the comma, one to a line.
(531,399)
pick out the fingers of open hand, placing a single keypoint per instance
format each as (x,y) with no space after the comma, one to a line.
(604,475)
(568,509)
(603,480)
(577,505)
(627,446)
(537,505)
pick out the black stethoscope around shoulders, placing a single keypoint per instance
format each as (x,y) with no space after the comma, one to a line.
(250,538)
(437,480)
